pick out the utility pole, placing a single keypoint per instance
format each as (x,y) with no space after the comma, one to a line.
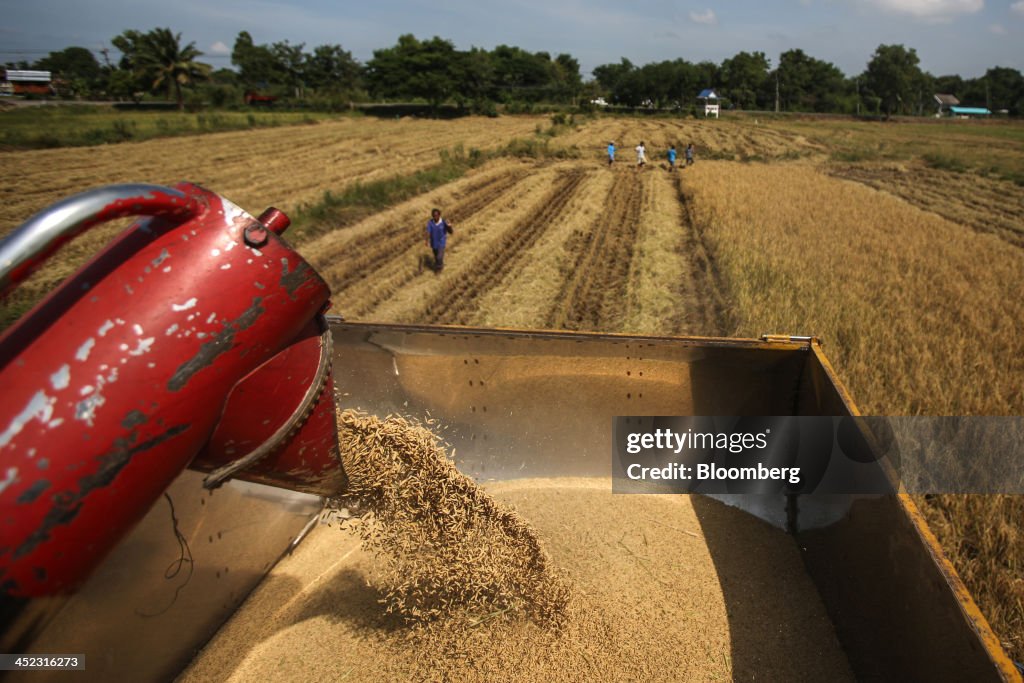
(776,91)
(858,95)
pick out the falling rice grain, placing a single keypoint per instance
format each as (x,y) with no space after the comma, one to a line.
(446,547)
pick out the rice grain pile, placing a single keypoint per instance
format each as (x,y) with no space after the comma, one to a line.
(663,587)
(445,548)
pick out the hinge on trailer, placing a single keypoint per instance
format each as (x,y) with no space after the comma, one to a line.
(789,339)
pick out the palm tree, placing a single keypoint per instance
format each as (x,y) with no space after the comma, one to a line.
(158,57)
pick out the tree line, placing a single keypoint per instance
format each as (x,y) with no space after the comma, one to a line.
(892,83)
(431,70)
(434,71)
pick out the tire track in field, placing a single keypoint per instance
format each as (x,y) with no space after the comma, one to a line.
(594,293)
(483,194)
(704,304)
(456,306)
(373,250)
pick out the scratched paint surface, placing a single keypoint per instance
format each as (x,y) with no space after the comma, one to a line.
(117,382)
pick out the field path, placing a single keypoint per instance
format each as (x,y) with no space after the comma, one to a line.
(592,296)
(522,299)
(490,268)
(704,303)
(402,290)
(373,251)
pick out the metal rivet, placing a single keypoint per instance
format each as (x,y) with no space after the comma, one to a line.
(256,235)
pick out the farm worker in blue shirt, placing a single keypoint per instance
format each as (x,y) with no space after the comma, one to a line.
(672,158)
(438,230)
(611,153)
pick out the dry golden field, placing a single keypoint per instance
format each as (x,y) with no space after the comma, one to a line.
(282,167)
(257,168)
(913,275)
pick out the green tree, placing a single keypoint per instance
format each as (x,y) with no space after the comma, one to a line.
(478,76)
(331,68)
(292,63)
(160,60)
(222,89)
(809,84)
(950,85)
(894,76)
(672,83)
(124,85)
(608,76)
(567,77)
(224,77)
(632,87)
(521,75)
(656,81)
(429,69)
(708,75)
(1004,88)
(74,68)
(258,66)
(127,79)
(743,78)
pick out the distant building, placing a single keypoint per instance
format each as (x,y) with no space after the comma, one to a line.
(969,112)
(944,102)
(21,82)
(709,100)
(255,99)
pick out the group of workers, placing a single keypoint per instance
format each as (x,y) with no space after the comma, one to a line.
(641,155)
(439,228)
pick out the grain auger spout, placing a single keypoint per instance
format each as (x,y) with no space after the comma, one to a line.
(195,339)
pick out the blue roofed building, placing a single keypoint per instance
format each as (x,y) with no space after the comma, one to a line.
(969,112)
(944,102)
(709,99)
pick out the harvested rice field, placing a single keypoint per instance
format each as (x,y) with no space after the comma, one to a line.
(661,593)
(280,167)
(558,245)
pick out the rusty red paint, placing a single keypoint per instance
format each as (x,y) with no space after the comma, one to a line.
(275,220)
(307,459)
(118,378)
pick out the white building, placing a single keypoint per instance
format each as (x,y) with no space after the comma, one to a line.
(709,99)
(22,82)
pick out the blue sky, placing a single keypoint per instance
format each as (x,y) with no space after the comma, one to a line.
(950,36)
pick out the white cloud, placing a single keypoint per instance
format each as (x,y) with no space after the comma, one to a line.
(1018,7)
(931,9)
(219,48)
(997,29)
(708,17)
